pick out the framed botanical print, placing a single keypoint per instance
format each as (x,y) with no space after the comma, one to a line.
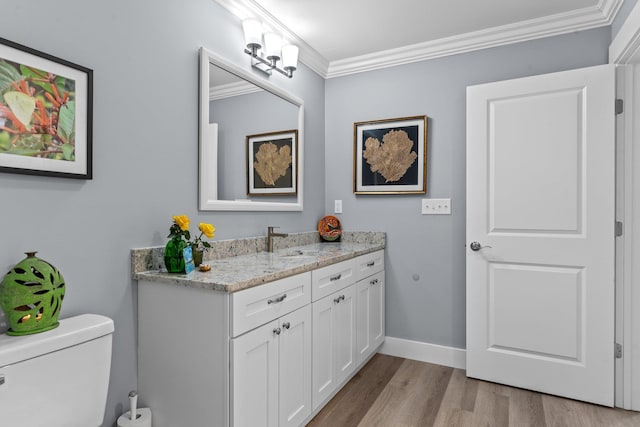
(45,114)
(390,156)
(272,164)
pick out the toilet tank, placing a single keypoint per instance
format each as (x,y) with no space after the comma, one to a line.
(57,378)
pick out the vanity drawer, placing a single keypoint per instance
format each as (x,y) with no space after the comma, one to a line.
(369,264)
(261,304)
(332,278)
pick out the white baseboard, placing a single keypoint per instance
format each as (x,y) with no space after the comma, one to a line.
(425,352)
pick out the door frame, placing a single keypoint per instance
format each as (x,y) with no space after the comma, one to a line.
(624,52)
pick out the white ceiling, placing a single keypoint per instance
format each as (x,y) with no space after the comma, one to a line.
(340,37)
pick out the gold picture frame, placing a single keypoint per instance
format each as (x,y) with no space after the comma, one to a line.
(390,156)
(272,163)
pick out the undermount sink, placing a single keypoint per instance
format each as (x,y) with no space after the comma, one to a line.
(298,254)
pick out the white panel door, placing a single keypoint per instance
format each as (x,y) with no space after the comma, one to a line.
(295,367)
(540,209)
(255,377)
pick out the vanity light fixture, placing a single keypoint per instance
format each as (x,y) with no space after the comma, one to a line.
(266,59)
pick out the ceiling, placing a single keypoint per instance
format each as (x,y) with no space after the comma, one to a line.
(338,37)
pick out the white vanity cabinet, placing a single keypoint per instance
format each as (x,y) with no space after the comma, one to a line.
(271,373)
(370,300)
(270,355)
(334,342)
(271,364)
(370,315)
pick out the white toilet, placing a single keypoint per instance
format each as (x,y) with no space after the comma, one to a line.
(57,378)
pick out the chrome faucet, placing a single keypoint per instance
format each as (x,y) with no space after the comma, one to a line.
(271,235)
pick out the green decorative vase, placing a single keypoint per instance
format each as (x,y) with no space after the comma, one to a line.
(174,255)
(31,295)
(197,256)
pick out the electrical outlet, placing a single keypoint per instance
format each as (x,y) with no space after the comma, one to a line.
(337,208)
(436,206)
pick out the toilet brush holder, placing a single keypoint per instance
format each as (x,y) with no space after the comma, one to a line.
(143,418)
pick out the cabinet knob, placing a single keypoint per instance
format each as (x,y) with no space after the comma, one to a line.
(374,281)
(286,325)
(277,331)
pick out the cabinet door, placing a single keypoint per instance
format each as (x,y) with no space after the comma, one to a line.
(344,333)
(363,320)
(295,367)
(376,319)
(324,372)
(254,380)
(369,315)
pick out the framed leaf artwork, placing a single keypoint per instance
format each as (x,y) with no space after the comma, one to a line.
(390,156)
(272,164)
(45,114)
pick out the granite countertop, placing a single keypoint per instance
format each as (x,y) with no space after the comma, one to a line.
(235,273)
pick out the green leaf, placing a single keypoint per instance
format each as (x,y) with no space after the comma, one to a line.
(28,141)
(66,121)
(34,75)
(8,75)
(5,141)
(24,152)
(68,151)
(21,105)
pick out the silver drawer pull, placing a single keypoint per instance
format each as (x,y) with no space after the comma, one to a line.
(373,282)
(336,277)
(279,299)
(371,264)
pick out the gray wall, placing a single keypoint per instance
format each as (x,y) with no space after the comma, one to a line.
(425,268)
(145,60)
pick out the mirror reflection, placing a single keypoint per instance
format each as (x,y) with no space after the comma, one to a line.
(239,111)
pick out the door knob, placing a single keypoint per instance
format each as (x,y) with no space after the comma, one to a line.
(476,246)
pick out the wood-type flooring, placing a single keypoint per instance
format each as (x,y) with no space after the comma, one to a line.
(394,392)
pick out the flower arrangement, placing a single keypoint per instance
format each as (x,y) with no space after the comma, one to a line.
(180,230)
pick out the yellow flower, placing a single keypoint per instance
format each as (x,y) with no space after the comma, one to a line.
(207,229)
(182,221)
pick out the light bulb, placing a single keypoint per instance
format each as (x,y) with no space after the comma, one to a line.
(290,57)
(252,33)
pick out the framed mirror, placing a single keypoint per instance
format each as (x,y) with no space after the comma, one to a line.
(251,151)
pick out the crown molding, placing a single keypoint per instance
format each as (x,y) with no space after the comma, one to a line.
(582,19)
(232,89)
(626,45)
(563,23)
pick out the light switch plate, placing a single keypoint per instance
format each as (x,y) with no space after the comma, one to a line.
(436,206)
(337,208)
